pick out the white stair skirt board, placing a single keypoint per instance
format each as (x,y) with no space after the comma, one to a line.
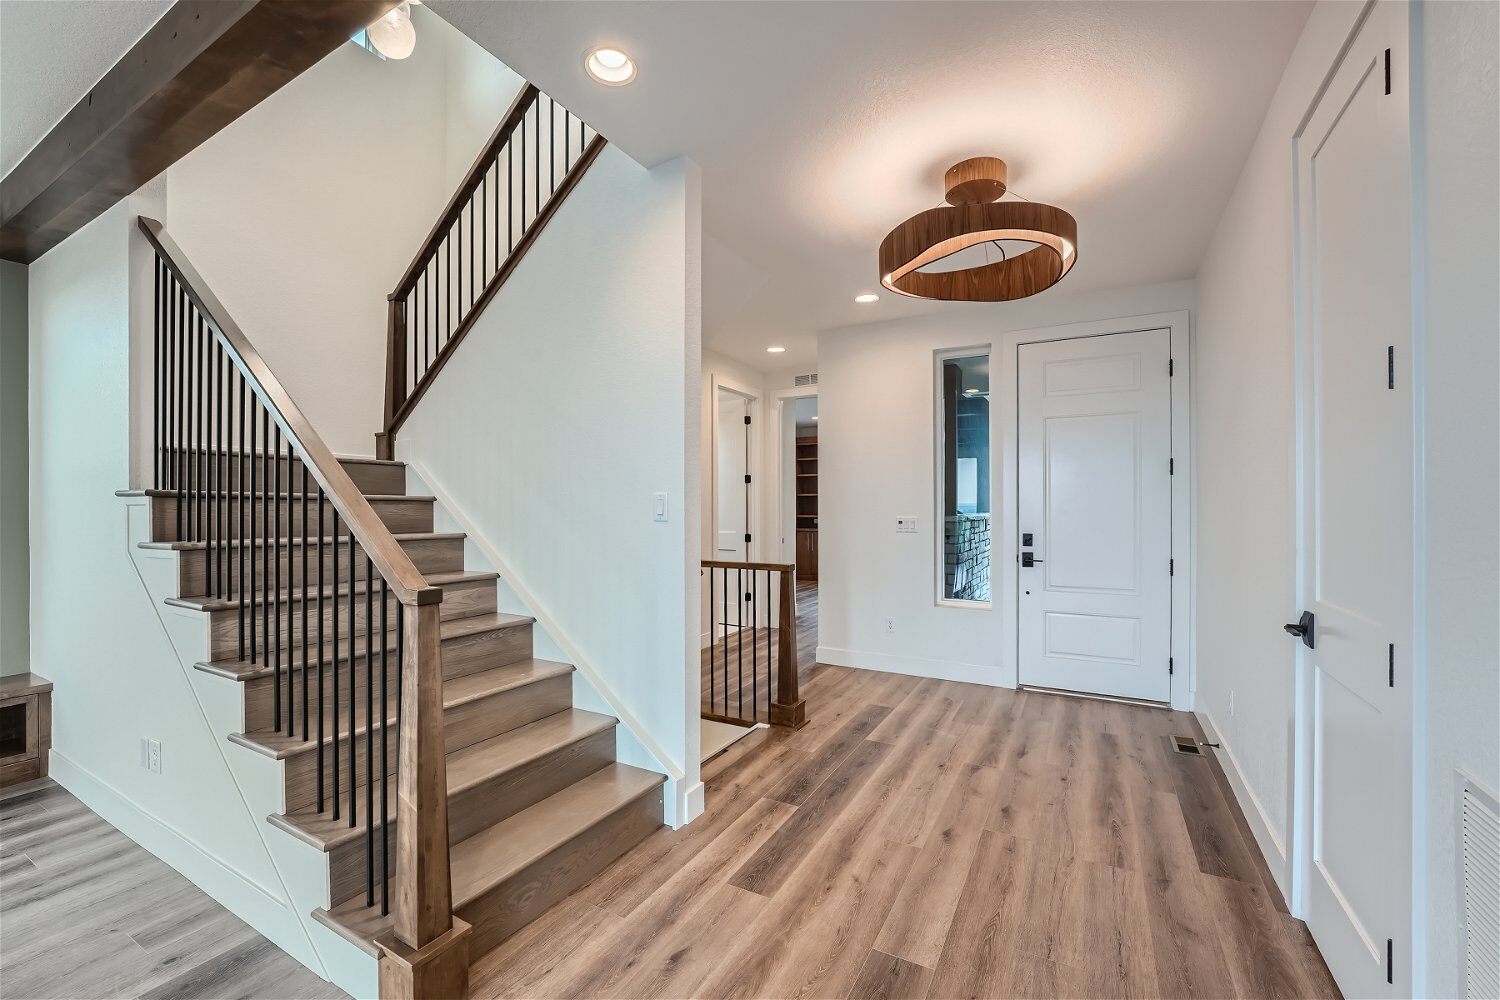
(716,737)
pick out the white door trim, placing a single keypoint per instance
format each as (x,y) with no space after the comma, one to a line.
(753,505)
(1004,413)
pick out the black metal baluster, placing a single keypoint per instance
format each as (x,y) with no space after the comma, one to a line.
(725,657)
(510,197)
(472,286)
(272,642)
(239,516)
(370,731)
(247,552)
(713,697)
(201,404)
(353,701)
(157,375)
(334,632)
(180,397)
(447,287)
(321,506)
(273,539)
(755,644)
(192,414)
(217,447)
(458,240)
(536,189)
(522,130)
(739,637)
(210,481)
(385,791)
(306,554)
(551,146)
(484,238)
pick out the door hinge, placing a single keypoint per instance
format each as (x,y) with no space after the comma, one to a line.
(1390,945)
(1171,567)
(1390,367)
(747,537)
(1170,363)
(747,479)
(1388,72)
(1171,466)
(1391,669)
(747,420)
(1169,666)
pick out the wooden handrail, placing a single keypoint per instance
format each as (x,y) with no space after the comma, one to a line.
(429,261)
(788,707)
(466,189)
(377,541)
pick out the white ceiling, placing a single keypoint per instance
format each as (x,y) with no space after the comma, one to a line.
(821,125)
(51,53)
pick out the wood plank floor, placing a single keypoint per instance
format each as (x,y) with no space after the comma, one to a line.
(924,838)
(86,912)
(738,677)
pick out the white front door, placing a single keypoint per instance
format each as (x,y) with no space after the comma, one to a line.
(1356,494)
(1095,503)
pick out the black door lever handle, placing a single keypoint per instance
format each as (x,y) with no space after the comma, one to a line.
(1303,628)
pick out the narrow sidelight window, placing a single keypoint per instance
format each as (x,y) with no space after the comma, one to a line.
(964,469)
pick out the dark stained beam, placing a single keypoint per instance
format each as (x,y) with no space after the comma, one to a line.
(205,63)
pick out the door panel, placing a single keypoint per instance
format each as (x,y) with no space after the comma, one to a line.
(1095,494)
(1353,236)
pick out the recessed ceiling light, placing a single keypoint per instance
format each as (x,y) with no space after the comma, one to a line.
(867,297)
(609,66)
(776,350)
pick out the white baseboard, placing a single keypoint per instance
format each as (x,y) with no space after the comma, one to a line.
(1266,838)
(229,888)
(915,666)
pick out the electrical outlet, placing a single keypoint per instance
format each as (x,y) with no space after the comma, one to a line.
(152,752)
(890,626)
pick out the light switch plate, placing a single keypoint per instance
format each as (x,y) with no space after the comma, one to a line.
(659,506)
(907,525)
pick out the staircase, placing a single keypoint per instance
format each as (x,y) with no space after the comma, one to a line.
(440,768)
(537,804)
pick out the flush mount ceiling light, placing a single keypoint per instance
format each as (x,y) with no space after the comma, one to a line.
(776,350)
(975,215)
(609,66)
(867,297)
(392,34)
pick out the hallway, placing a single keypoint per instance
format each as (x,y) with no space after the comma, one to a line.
(927,838)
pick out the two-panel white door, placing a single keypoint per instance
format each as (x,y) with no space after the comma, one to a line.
(1094,494)
(1357,512)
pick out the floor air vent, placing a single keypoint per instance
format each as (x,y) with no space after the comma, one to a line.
(1185,744)
(1479,884)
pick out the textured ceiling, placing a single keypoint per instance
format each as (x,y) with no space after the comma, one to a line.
(51,53)
(820,125)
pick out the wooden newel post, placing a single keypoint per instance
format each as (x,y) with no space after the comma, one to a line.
(425,956)
(395,374)
(788,709)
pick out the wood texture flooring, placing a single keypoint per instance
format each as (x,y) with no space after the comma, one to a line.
(87,913)
(929,839)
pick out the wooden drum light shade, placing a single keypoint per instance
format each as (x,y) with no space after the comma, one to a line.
(975,215)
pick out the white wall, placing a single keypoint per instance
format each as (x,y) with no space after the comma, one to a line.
(1244,453)
(876,462)
(1458,154)
(1246,434)
(575,399)
(303,213)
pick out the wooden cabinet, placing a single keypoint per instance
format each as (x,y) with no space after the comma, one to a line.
(807,553)
(25,727)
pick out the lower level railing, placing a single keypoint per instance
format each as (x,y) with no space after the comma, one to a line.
(749,666)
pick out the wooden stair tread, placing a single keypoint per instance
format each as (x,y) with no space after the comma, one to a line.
(491,856)
(450,629)
(293,594)
(456,691)
(295,541)
(466,768)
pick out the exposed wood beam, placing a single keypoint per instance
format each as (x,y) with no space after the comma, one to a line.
(205,63)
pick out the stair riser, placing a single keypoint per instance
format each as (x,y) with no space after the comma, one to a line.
(400,514)
(429,555)
(460,600)
(370,477)
(519,900)
(483,805)
(460,658)
(462,724)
